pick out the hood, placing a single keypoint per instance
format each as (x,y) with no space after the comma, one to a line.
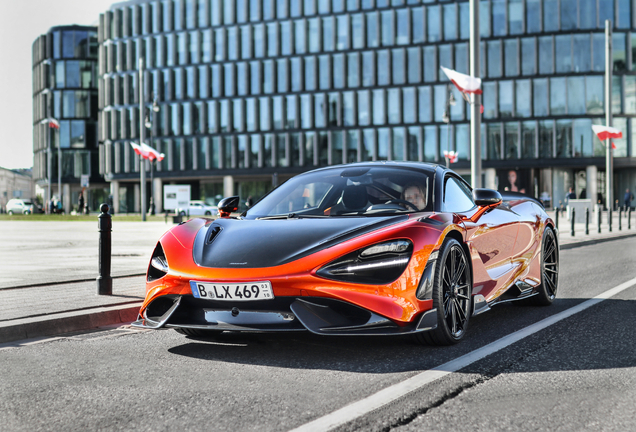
(236,243)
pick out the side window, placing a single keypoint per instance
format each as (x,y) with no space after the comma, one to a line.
(457,197)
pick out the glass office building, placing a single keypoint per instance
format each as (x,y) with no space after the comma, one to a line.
(65,88)
(251,92)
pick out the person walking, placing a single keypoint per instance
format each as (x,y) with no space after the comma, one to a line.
(80,203)
(627,199)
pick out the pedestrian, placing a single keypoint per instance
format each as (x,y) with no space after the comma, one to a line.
(249,201)
(570,195)
(627,199)
(80,202)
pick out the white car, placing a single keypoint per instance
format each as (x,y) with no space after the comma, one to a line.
(20,206)
(198,208)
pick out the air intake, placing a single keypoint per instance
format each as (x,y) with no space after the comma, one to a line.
(213,231)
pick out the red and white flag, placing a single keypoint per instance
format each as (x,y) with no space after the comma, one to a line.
(451,156)
(54,123)
(152,153)
(465,83)
(139,150)
(606,132)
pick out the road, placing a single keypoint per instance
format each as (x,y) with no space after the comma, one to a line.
(576,374)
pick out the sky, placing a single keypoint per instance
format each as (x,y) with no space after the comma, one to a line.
(21,22)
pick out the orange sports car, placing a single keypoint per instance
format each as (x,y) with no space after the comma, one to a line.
(380,248)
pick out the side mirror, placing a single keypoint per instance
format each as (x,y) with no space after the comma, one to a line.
(486,197)
(228,205)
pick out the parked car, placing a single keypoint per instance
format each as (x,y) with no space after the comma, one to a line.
(378,248)
(198,208)
(20,206)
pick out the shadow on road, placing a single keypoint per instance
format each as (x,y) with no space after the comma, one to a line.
(600,336)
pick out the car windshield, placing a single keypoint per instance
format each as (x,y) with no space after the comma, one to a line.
(351,191)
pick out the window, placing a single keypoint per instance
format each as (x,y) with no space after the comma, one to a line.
(373,38)
(569,14)
(515,17)
(550,15)
(457,196)
(546,60)
(433,23)
(557,96)
(357,31)
(540,97)
(563,53)
(523,98)
(494,59)
(430,63)
(546,138)
(424,101)
(533,16)
(300,37)
(511,56)
(498,17)
(409,105)
(417,25)
(342,37)
(505,99)
(379,109)
(364,117)
(582,53)
(338,71)
(511,140)
(564,138)
(528,139)
(450,21)
(388,28)
(368,68)
(576,95)
(382,70)
(327,34)
(394,106)
(528,56)
(353,70)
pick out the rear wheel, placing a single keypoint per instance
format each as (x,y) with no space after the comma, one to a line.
(549,270)
(199,333)
(452,296)
(10,212)
(208,213)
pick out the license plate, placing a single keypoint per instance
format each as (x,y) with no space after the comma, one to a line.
(233,291)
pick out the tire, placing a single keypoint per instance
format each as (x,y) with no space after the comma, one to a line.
(182,213)
(10,212)
(549,270)
(452,296)
(198,333)
(208,213)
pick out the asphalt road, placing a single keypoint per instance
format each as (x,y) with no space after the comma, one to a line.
(577,374)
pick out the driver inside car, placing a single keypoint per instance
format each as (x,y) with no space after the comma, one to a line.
(415,193)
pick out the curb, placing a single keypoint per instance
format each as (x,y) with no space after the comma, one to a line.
(589,242)
(64,322)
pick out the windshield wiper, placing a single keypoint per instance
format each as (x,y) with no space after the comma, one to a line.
(291,216)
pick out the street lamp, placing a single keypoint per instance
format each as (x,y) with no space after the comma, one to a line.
(450,101)
(149,121)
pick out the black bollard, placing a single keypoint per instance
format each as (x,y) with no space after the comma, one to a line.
(556,217)
(609,219)
(105,225)
(587,221)
(629,218)
(599,211)
(620,216)
(572,227)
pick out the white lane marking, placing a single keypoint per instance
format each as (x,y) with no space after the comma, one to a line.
(390,394)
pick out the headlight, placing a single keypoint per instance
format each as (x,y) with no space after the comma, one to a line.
(381,263)
(158,267)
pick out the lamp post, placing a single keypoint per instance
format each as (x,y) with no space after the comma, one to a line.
(475,105)
(446,117)
(149,121)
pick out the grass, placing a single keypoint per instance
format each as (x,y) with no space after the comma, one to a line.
(87,218)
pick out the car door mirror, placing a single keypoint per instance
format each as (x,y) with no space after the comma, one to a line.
(228,205)
(486,197)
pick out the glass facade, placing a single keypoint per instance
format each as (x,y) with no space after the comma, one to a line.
(65,88)
(286,85)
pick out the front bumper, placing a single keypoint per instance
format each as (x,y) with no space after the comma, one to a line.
(318,315)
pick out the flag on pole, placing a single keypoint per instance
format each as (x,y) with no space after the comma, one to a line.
(606,132)
(465,83)
(152,153)
(451,156)
(139,150)
(54,123)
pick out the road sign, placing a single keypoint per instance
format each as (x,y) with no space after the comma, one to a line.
(176,196)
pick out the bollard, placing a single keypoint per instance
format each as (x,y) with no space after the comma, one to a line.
(629,218)
(620,216)
(609,219)
(587,221)
(572,222)
(598,213)
(105,225)
(556,217)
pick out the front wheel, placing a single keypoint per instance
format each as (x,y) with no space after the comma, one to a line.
(549,270)
(10,212)
(182,213)
(452,296)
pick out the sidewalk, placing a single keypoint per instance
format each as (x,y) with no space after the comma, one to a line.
(567,241)
(50,305)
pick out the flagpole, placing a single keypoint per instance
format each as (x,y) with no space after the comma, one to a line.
(609,160)
(475,104)
(142,161)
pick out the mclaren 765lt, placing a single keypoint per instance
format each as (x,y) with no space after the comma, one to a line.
(380,248)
